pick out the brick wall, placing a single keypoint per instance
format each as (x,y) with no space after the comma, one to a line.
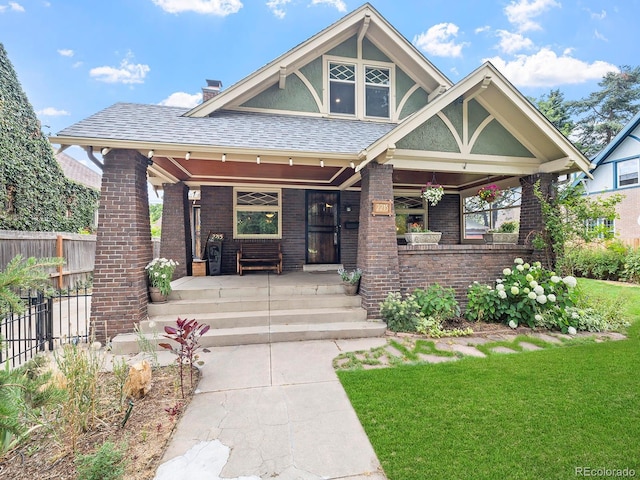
(176,225)
(531,221)
(455,266)
(123,246)
(628,225)
(445,218)
(349,236)
(293,229)
(216,215)
(377,244)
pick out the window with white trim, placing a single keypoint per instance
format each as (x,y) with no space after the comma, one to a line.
(479,216)
(377,83)
(627,172)
(342,88)
(257,213)
(602,228)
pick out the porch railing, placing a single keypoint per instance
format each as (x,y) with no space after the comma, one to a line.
(47,321)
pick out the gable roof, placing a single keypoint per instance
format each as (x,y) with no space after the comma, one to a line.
(617,141)
(76,171)
(364,20)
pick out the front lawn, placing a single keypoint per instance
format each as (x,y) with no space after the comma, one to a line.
(532,415)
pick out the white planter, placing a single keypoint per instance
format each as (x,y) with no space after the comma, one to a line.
(500,238)
(422,238)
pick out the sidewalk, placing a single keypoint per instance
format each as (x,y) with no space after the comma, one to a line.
(277,411)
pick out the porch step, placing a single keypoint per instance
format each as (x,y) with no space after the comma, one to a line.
(125,344)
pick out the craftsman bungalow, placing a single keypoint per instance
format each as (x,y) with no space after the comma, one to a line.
(325,151)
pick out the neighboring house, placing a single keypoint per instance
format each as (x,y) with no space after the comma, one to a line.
(322,150)
(76,171)
(617,170)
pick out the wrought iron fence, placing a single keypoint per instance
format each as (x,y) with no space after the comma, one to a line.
(48,320)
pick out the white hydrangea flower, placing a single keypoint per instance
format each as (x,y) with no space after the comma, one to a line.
(529,277)
(533,284)
(572,331)
(499,280)
(502,294)
(527,266)
(513,324)
(500,287)
(518,261)
(506,271)
(526,290)
(541,299)
(538,317)
(551,297)
(520,268)
(555,279)
(532,295)
(570,281)
(537,264)
(538,289)
(515,290)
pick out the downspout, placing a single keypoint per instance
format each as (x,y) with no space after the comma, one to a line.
(93,158)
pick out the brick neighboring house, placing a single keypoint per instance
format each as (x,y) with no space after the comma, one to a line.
(304,150)
(617,170)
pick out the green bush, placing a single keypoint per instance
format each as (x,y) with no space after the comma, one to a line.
(631,271)
(107,463)
(600,263)
(438,302)
(401,315)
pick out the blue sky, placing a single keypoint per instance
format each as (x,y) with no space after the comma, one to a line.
(75,57)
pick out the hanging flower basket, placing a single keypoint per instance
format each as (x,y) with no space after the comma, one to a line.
(490,193)
(432,193)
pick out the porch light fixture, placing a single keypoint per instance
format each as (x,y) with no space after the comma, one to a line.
(150,154)
(290,162)
(187,156)
(352,165)
(258,159)
(322,163)
(104,151)
(224,157)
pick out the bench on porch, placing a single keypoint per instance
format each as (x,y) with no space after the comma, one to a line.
(259,256)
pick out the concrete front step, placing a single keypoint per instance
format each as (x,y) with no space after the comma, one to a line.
(189,307)
(124,344)
(263,292)
(261,318)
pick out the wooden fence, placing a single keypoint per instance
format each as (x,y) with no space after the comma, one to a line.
(77,250)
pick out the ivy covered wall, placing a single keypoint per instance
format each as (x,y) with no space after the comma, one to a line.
(34,193)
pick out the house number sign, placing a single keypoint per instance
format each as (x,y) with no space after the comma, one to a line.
(382,207)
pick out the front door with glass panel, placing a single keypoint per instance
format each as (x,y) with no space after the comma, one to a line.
(323,227)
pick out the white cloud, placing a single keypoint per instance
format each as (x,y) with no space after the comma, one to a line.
(546,69)
(513,42)
(439,41)
(221,8)
(276,6)
(77,64)
(600,36)
(598,16)
(521,13)
(338,4)
(52,112)
(485,28)
(66,52)
(126,73)
(13,6)
(182,99)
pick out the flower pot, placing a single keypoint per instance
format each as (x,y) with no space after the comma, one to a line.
(421,238)
(500,238)
(156,296)
(351,288)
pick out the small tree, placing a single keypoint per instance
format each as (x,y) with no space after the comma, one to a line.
(568,215)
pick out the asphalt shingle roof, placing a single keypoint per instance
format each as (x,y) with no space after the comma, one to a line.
(157,123)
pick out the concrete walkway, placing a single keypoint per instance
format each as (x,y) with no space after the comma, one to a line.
(277,411)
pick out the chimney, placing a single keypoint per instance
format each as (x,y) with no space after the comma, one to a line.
(211,90)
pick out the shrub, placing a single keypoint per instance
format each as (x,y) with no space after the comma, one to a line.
(438,302)
(631,270)
(524,292)
(596,261)
(401,315)
(106,463)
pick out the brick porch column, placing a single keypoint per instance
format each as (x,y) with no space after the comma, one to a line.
(123,246)
(377,244)
(531,221)
(175,242)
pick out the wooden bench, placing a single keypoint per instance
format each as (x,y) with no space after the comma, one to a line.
(259,256)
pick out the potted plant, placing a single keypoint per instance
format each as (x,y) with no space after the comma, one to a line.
(417,234)
(506,233)
(350,280)
(489,193)
(432,193)
(160,271)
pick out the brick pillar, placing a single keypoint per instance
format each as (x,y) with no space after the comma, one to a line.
(123,246)
(377,244)
(531,221)
(175,242)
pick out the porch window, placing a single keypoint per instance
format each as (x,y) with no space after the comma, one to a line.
(627,172)
(409,209)
(342,88)
(479,216)
(257,214)
(376,82)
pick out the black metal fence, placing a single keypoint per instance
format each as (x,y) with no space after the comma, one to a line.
(48,321)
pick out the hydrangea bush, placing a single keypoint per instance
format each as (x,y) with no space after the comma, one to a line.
(526,294)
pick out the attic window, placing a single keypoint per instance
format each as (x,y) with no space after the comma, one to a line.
(377,92)
(628,172)
(342,88)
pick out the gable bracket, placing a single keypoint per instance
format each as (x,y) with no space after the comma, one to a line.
(283,77)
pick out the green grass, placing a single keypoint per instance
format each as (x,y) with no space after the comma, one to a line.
(531,415)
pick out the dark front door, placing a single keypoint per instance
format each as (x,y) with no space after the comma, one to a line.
(323,231)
